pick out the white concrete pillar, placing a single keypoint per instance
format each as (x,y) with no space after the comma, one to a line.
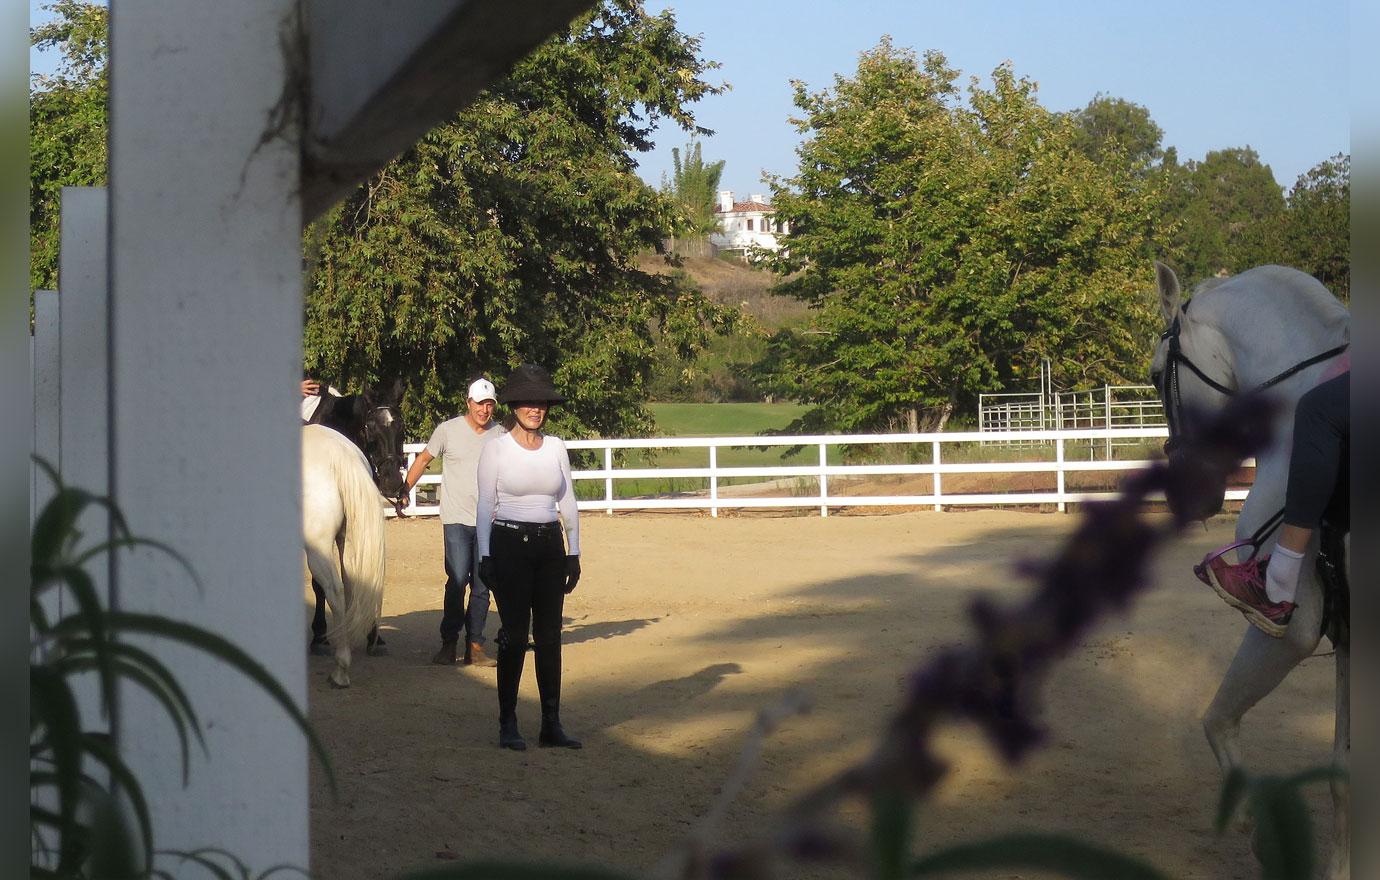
(206,323)
(47,372)
(84,322)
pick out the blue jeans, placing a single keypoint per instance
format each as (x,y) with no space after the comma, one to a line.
(461,572)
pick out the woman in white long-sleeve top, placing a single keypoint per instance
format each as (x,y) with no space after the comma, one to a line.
(526,503)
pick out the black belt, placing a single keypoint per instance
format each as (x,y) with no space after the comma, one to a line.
(530,528)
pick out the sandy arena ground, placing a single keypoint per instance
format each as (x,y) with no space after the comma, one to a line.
(683,627)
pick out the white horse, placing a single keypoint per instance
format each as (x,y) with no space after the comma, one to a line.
(1276,327)
(342,525)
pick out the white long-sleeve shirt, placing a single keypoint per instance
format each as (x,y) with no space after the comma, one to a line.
(526,485)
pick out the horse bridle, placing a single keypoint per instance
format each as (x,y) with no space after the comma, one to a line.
(365,428)
(1169,380)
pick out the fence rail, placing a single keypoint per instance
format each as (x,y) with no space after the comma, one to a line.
(714,499)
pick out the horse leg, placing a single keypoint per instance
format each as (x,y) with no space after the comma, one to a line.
(1260,664)
(324,564)
(374,645)
(320,645)
(1339,862)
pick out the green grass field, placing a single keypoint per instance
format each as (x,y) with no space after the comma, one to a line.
(722,419)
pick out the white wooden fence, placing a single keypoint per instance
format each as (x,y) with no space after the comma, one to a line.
(820,472)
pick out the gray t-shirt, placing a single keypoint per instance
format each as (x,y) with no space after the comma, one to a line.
(457,445)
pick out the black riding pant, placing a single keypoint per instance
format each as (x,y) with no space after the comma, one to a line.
(1319,467)
(529,581)
(529,565)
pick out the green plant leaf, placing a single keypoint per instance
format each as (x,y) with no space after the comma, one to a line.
(1326,773)
(51,700)
(98,747)
(1234,788)
(1055,853)
(891,814)
(129,542)
(499,870)
(235,657)
(112,850)
(89,615)
(1283,835)
(165,690)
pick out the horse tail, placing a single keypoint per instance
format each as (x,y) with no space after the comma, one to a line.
(362,550)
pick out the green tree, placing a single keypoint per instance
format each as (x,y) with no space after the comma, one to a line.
(67,124)
(694,188)
(1107,120)
(509,234)
(945,249)
(1231,214)
(1316,235)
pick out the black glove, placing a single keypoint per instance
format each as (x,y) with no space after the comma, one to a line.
(486,571)
(572,572)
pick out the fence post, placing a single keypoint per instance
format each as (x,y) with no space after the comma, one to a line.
(938,490)
(608,480)
(713,481)
(1107,398)
(823,480)
(1059,458)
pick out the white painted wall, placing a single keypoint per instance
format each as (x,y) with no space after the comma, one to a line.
(206,328)
(84,312)
(47,437)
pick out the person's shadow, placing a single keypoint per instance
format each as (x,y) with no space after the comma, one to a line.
(689,687)
(607,629)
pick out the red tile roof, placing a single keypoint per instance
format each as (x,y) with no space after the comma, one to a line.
(745,206)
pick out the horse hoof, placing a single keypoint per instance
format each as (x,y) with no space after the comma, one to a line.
(339,684)
(320,649)
(377,650)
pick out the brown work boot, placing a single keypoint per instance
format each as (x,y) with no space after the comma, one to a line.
(445,656)
(475,656)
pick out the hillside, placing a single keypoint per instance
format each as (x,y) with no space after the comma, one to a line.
(732,283)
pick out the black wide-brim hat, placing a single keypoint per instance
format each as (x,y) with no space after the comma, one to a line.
(529,382)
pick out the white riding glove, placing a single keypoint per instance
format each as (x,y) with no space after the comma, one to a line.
(1282,574)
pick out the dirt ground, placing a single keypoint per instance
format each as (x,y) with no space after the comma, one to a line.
(684,627)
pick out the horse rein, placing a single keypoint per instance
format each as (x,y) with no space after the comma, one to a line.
(1169,396)
(1169,389)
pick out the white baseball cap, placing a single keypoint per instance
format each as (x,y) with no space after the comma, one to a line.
(481,390)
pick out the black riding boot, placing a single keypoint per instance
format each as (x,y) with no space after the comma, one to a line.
(549,688)
(509,675)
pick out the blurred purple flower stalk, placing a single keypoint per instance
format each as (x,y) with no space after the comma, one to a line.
(995,681)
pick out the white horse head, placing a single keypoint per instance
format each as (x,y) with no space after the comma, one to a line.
(1270,329)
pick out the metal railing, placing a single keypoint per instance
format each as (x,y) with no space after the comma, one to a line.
(1112,406)
(769,477)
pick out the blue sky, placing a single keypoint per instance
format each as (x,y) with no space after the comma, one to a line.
(1269,74)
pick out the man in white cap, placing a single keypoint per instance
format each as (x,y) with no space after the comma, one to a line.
(458,442)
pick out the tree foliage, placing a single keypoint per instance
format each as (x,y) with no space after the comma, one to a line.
(508,235)
(694,187)
(945,248)
(1230,210)
(67,124)
(1316,234)
(1108,121)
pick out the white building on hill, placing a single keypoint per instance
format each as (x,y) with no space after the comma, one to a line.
(744,225)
